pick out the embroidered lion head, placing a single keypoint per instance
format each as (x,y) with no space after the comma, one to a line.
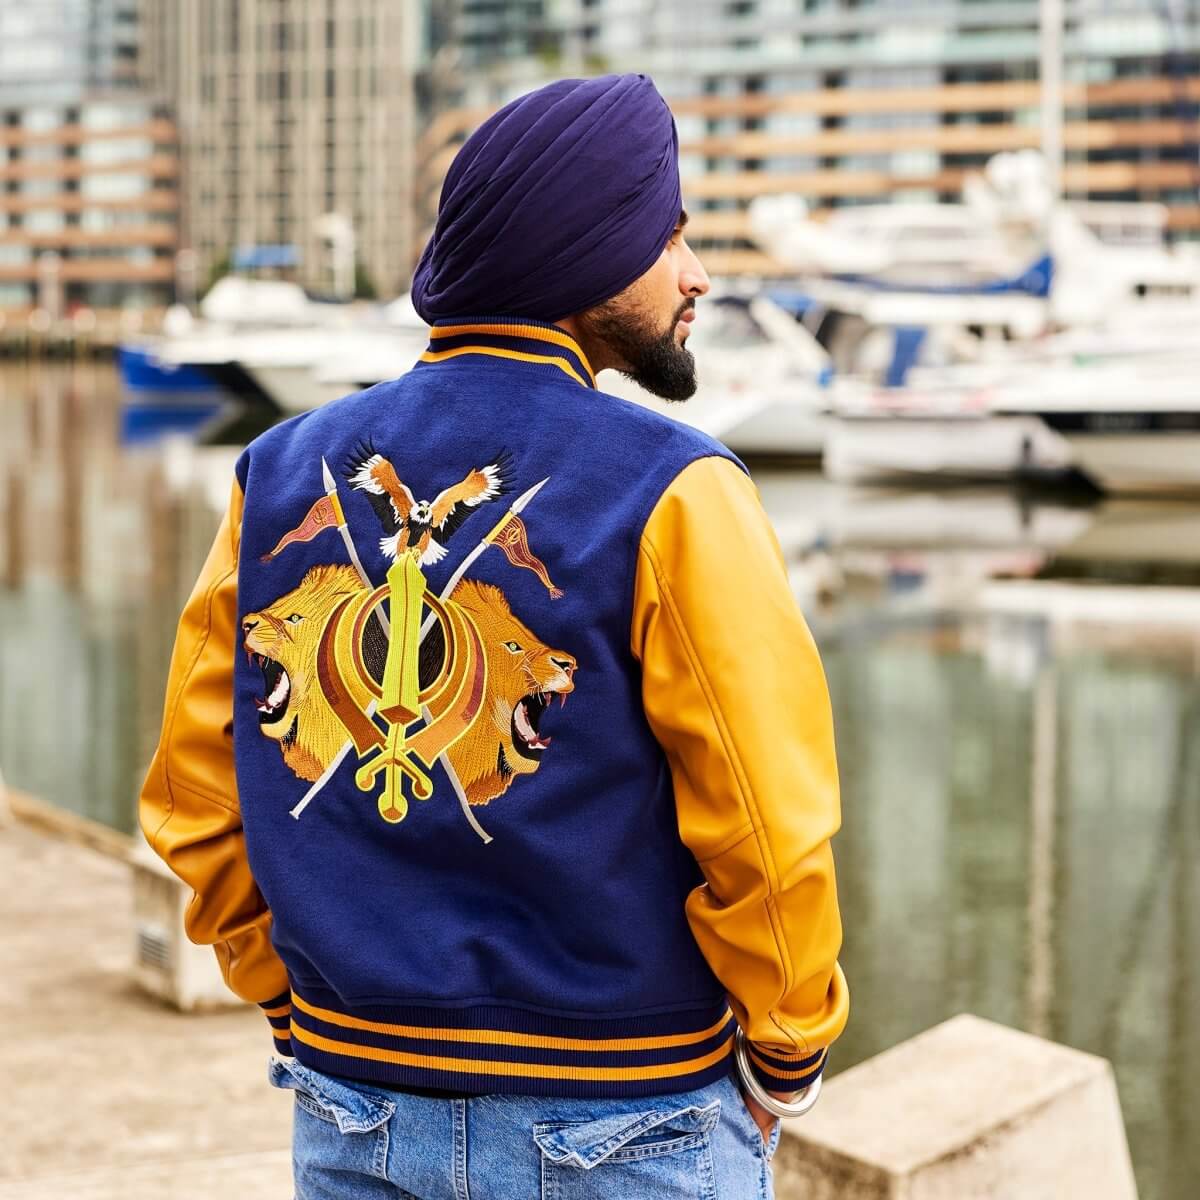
(282,640)
(524,675)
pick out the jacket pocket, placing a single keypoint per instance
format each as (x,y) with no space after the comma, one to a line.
(663,1152)
(350,1129)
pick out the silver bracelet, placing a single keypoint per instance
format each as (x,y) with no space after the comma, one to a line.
(791,1108)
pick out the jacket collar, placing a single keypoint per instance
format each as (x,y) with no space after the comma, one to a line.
(518,339)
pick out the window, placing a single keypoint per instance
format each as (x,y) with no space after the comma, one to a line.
(112,116)
(114,187)
(43,220)
(112,150)
(41,120)
(39,187)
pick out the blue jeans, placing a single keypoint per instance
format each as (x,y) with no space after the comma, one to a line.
(354,1141)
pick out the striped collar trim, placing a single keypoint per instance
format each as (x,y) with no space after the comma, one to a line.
(516,339)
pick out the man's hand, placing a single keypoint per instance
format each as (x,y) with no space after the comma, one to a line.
(763,1119)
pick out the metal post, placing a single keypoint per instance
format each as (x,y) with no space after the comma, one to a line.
(1052,93)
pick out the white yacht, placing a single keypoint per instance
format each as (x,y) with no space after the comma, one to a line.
(1127,424)
(988,277)
(1130,428)
(263,342)
(944,430)
(1083,362)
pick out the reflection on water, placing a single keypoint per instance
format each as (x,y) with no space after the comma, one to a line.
(1026,849)
(98,550)
(1018,714)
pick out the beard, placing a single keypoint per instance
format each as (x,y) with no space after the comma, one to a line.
(655,360)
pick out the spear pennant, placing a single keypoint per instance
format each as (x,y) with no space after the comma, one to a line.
(490,538)
(344,530)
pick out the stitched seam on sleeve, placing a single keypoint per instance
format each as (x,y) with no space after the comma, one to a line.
(734,840)
(201,794)
(169,731)
(744,790)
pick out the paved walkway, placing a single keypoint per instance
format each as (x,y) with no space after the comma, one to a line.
(110,1095)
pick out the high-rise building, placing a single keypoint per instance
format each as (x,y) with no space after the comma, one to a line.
(288,112)
(849,101)
(88,205)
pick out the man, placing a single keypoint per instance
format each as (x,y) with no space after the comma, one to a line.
(496,749)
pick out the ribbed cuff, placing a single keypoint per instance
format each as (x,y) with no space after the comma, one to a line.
(279,1016)
(785,1073)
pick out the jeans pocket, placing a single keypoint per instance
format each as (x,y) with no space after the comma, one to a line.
(738,1103)
(663,1152)
(336,1126)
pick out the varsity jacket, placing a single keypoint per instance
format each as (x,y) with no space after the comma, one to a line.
(496,750)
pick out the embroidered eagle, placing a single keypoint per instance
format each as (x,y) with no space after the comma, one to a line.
(425,524)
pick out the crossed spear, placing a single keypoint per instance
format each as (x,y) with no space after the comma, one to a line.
(488,538)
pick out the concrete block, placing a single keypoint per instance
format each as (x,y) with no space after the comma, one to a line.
(166,964)
(968,1109)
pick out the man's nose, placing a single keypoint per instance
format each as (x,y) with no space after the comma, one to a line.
(693,279)
(248,625)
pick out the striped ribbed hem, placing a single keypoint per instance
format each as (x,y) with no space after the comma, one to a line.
(495,1049)
(785,1072)
(516,339)
(279,1017)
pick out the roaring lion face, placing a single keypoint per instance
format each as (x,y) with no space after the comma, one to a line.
(282,640)
(524,675)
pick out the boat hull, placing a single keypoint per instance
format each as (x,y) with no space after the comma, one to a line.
(142,371)
(894,449)
(1165,463)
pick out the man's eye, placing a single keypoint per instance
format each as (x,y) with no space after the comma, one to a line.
(295,619)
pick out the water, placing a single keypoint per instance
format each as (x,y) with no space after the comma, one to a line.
(1017,692)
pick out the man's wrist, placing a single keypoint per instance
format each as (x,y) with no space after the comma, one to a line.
(765,1080)
(788,1075)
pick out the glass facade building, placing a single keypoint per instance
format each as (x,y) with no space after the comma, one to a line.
(88,161)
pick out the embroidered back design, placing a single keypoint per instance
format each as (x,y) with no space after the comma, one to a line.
(395,675)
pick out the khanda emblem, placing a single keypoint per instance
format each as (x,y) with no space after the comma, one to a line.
(397,675)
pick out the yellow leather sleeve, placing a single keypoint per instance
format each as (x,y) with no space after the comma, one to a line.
(188,808)
(734,692)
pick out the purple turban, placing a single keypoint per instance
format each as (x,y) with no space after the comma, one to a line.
(557,201)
